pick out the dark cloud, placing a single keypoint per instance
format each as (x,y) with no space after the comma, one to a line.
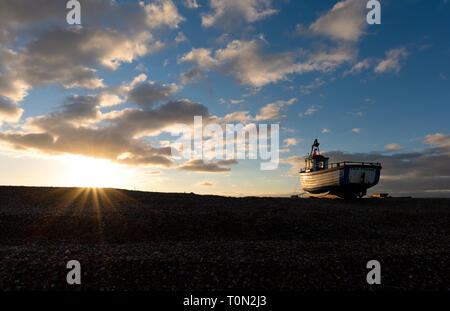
(20,17)
(50,51)
(80,128)
(68,56)
(227,162)
(81,108)
(192,75)
(17,14)
(202,166)
(97,143)
(131,122)
(87,46)
(147,94)
(39,141)
(9,112)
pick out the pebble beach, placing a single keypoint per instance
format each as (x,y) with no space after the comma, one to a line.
(146,241)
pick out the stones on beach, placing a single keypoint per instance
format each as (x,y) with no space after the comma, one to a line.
(184,242)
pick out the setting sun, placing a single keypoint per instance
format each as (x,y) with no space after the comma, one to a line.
(93,173)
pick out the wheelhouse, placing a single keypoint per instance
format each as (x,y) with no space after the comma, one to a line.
(315,161)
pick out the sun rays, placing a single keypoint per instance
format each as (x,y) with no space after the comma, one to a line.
(91,204)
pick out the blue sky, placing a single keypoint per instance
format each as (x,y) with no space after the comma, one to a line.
(369,92)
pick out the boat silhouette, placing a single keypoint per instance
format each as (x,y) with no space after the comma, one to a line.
(347,179)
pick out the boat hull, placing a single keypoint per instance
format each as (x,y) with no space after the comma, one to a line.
(345,181)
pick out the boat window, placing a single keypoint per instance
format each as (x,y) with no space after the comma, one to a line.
(321,165)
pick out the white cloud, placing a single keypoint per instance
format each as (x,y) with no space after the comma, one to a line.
(229,13)
(328,59)
(237,101)
(439,139)
(356,130)
(272,111)
(202,57)
(310,111)
(393,61)
(162,13)
(180,38)
(242,59)
(250,66)
(394,147)
(141,67)
(239,116)
(290,142)
(13,87)
(359,66)
(191,4)
(109,100)
(345,21)
(306,89)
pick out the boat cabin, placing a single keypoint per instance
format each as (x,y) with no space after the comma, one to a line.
(315,161)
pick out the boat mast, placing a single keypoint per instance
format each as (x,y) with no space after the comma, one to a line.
(315,145)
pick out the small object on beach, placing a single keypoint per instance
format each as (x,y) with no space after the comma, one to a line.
(381,195)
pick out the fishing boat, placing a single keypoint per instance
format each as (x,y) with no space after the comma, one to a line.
(346,179)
